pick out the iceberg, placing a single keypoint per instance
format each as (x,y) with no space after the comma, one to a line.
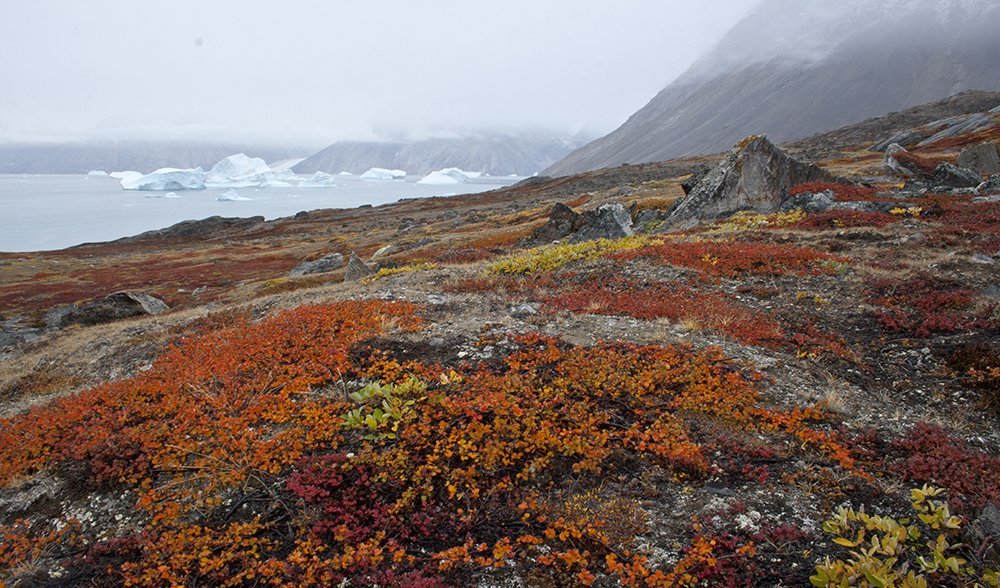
(382,174)
(96,173)
(448,175)
(167,179)
(345,173)
(240,171)
(231,196)
(318,180)
(167,195)
(126,175)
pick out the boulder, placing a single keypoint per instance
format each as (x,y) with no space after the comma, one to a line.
(113,307)
(755,175)
(610,221)
(357,269)
(982,158)
(327,263)
(949,176)
(900,161)
(562,222)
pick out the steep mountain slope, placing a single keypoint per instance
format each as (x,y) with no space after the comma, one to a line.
(495,155)
(794,68)
(144,156)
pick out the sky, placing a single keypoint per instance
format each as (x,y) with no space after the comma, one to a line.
(315,72)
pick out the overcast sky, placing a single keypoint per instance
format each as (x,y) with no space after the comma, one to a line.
(314,72)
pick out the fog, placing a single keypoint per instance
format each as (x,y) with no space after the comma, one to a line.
(315,72)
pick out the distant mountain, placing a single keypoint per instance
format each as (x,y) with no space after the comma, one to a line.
(497,155)
(797,67)
(142,156)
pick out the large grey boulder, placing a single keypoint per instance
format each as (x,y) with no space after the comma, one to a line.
(562,222)
(610,221)
(948,175)
(982,158)
(113,307)
(755,175)
(327,263)
(357,269)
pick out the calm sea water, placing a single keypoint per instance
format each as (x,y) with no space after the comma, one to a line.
(41,212)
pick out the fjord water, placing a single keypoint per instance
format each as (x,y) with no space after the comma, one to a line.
(41,212)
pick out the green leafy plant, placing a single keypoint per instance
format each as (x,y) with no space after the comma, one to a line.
(899,553)
(383,407)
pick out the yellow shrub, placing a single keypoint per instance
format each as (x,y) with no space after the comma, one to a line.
(551,257)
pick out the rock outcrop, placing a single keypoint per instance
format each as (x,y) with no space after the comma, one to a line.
(755,175)
(900,161)
(563,221)
(356,269)
(982,158)
(951,176)
(113,307)
(327,263)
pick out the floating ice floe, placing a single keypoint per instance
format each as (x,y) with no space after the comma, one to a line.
(231,196)
(449,175)
(167,195)
(379,173)
(97,173)
(345,173)
(318,180)
(167,179)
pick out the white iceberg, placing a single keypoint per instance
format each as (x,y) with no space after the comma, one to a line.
(448,175)
(318,180)
(345,173)
(167,179)
(231,196)
(167,195)
(240,171)
(96,173)
(126,175)
(284,175)
(382,174)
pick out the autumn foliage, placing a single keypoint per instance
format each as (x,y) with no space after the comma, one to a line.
(247,469)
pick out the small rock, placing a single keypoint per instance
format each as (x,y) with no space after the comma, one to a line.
(436,300)
(327,263)
(523,311)
(982,259)
(357,269)
(809,202)
(990,186)
(382,251)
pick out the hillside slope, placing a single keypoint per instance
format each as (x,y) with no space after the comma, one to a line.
(793,68)
(497,155)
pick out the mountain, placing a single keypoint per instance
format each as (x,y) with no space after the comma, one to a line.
(497,155)
(143,156)
(793,68)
